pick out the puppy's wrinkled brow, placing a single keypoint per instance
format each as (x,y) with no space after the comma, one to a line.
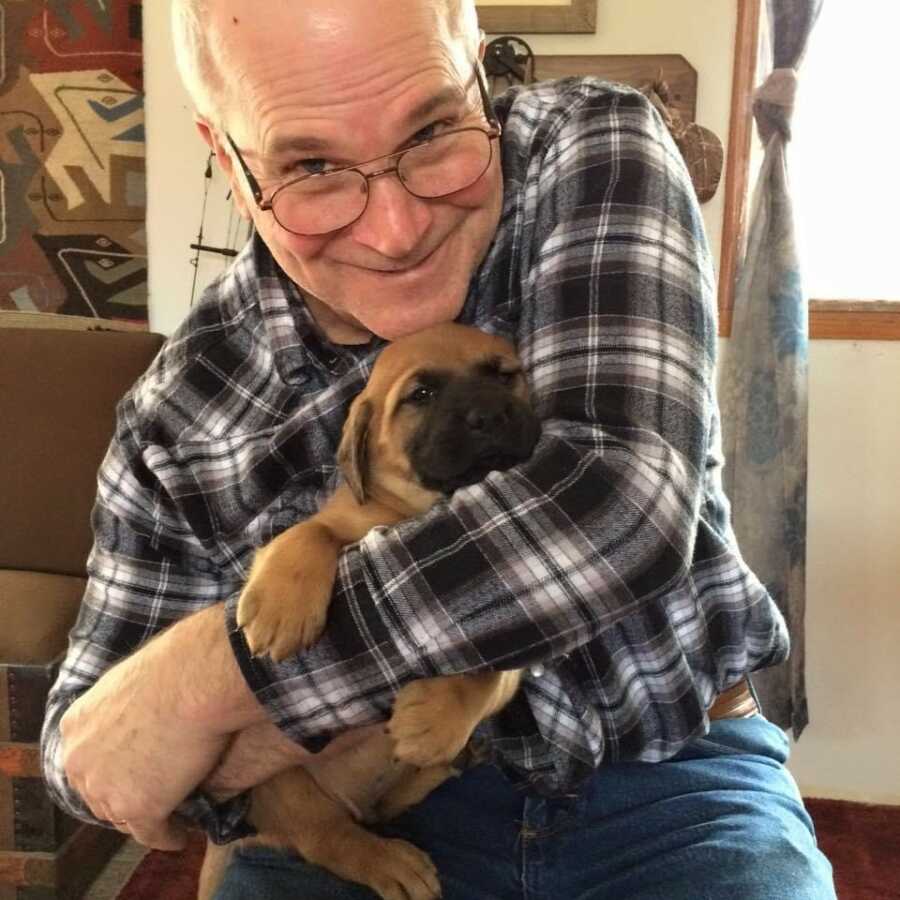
(497,365)
(429,378)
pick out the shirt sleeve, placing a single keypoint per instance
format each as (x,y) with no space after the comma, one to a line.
(603,557)
(146,570)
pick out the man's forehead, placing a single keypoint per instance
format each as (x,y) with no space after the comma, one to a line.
(299,139)
(303,81)
(310,28)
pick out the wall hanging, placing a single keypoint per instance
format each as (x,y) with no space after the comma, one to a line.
(72,178)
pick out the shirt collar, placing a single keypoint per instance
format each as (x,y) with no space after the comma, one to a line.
(297,343)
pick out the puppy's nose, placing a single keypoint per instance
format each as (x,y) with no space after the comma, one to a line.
(488,417)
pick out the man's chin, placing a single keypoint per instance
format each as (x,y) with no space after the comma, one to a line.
(409,317)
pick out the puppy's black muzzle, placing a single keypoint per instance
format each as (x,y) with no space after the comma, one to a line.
(474,426)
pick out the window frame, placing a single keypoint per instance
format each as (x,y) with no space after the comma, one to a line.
(877,320)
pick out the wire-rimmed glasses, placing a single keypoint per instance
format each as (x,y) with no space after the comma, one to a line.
(319,203)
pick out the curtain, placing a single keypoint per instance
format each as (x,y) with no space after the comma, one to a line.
(764,376)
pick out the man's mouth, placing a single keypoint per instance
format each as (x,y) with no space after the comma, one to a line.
(409,267)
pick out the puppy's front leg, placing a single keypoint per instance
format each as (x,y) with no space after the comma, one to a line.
(434,718)
(285,602)
(291,810)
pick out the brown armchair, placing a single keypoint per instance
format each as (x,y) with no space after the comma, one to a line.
(58,391)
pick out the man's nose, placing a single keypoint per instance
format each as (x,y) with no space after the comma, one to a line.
(394,221)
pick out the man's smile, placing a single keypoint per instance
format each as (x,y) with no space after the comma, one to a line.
(411,270)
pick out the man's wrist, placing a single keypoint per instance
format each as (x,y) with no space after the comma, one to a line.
(210,690)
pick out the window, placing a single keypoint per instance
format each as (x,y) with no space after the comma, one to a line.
(843,169)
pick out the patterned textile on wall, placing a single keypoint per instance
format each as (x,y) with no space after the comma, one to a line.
(72,180)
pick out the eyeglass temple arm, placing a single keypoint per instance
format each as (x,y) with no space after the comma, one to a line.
(485,97)
(255,189)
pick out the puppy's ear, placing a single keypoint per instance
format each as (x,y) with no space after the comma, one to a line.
(353,452)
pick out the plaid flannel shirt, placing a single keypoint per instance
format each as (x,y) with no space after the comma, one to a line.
(605,566)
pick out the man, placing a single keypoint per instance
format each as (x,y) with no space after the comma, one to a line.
(605,565)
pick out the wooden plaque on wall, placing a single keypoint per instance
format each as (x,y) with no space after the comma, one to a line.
(572,17)
(635,70)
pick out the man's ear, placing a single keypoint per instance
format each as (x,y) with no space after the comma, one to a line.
(353,452)
(211,138)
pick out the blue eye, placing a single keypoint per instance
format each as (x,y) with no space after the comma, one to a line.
(310,166)
(424,134)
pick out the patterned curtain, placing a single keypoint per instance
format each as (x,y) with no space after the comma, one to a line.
(72,192)
(764,377)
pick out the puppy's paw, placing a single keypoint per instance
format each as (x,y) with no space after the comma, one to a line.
(399,871)
(284,604)
(431,723)
(278,620)
(393,869)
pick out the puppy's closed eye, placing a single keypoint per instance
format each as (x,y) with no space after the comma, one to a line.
(507,376)
(505,371)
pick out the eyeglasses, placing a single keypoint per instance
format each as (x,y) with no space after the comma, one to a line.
(322,202)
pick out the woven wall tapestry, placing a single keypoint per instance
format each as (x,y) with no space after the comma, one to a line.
(72,179)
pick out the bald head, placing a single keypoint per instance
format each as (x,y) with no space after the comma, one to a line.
(194,29)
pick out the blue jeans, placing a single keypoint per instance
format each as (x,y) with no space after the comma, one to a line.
(723,820)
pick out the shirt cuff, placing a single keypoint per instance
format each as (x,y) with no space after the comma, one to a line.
(260,677)
(253,670)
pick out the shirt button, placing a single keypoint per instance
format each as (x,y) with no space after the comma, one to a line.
(537,670)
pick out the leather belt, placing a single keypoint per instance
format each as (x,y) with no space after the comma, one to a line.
(735,703)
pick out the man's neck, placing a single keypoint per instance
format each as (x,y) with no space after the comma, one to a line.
(338,330)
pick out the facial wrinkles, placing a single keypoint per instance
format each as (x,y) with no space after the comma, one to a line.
(350,99)
(363,121)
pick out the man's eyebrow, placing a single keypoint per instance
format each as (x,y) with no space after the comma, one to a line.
(309,144)
(297,144)
(442,98)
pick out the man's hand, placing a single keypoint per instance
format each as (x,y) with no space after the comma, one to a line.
(148,732)
(254,755)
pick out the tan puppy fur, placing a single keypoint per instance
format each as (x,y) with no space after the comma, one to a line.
(284,606)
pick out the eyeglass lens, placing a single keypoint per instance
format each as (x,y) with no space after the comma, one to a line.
(442,166)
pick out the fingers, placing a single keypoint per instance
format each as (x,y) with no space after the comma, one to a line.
(104,815)
(165,835)
(168,834)
(219,793)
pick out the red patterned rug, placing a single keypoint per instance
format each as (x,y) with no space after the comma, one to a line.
(862,842)
(167,876)
(72,182)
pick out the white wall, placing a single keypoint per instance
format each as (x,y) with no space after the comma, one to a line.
(850,749)
(853,574)
(176,160)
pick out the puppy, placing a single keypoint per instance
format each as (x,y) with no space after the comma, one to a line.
(442,408)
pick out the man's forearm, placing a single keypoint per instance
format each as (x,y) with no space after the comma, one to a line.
(212,691)
(137,742)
